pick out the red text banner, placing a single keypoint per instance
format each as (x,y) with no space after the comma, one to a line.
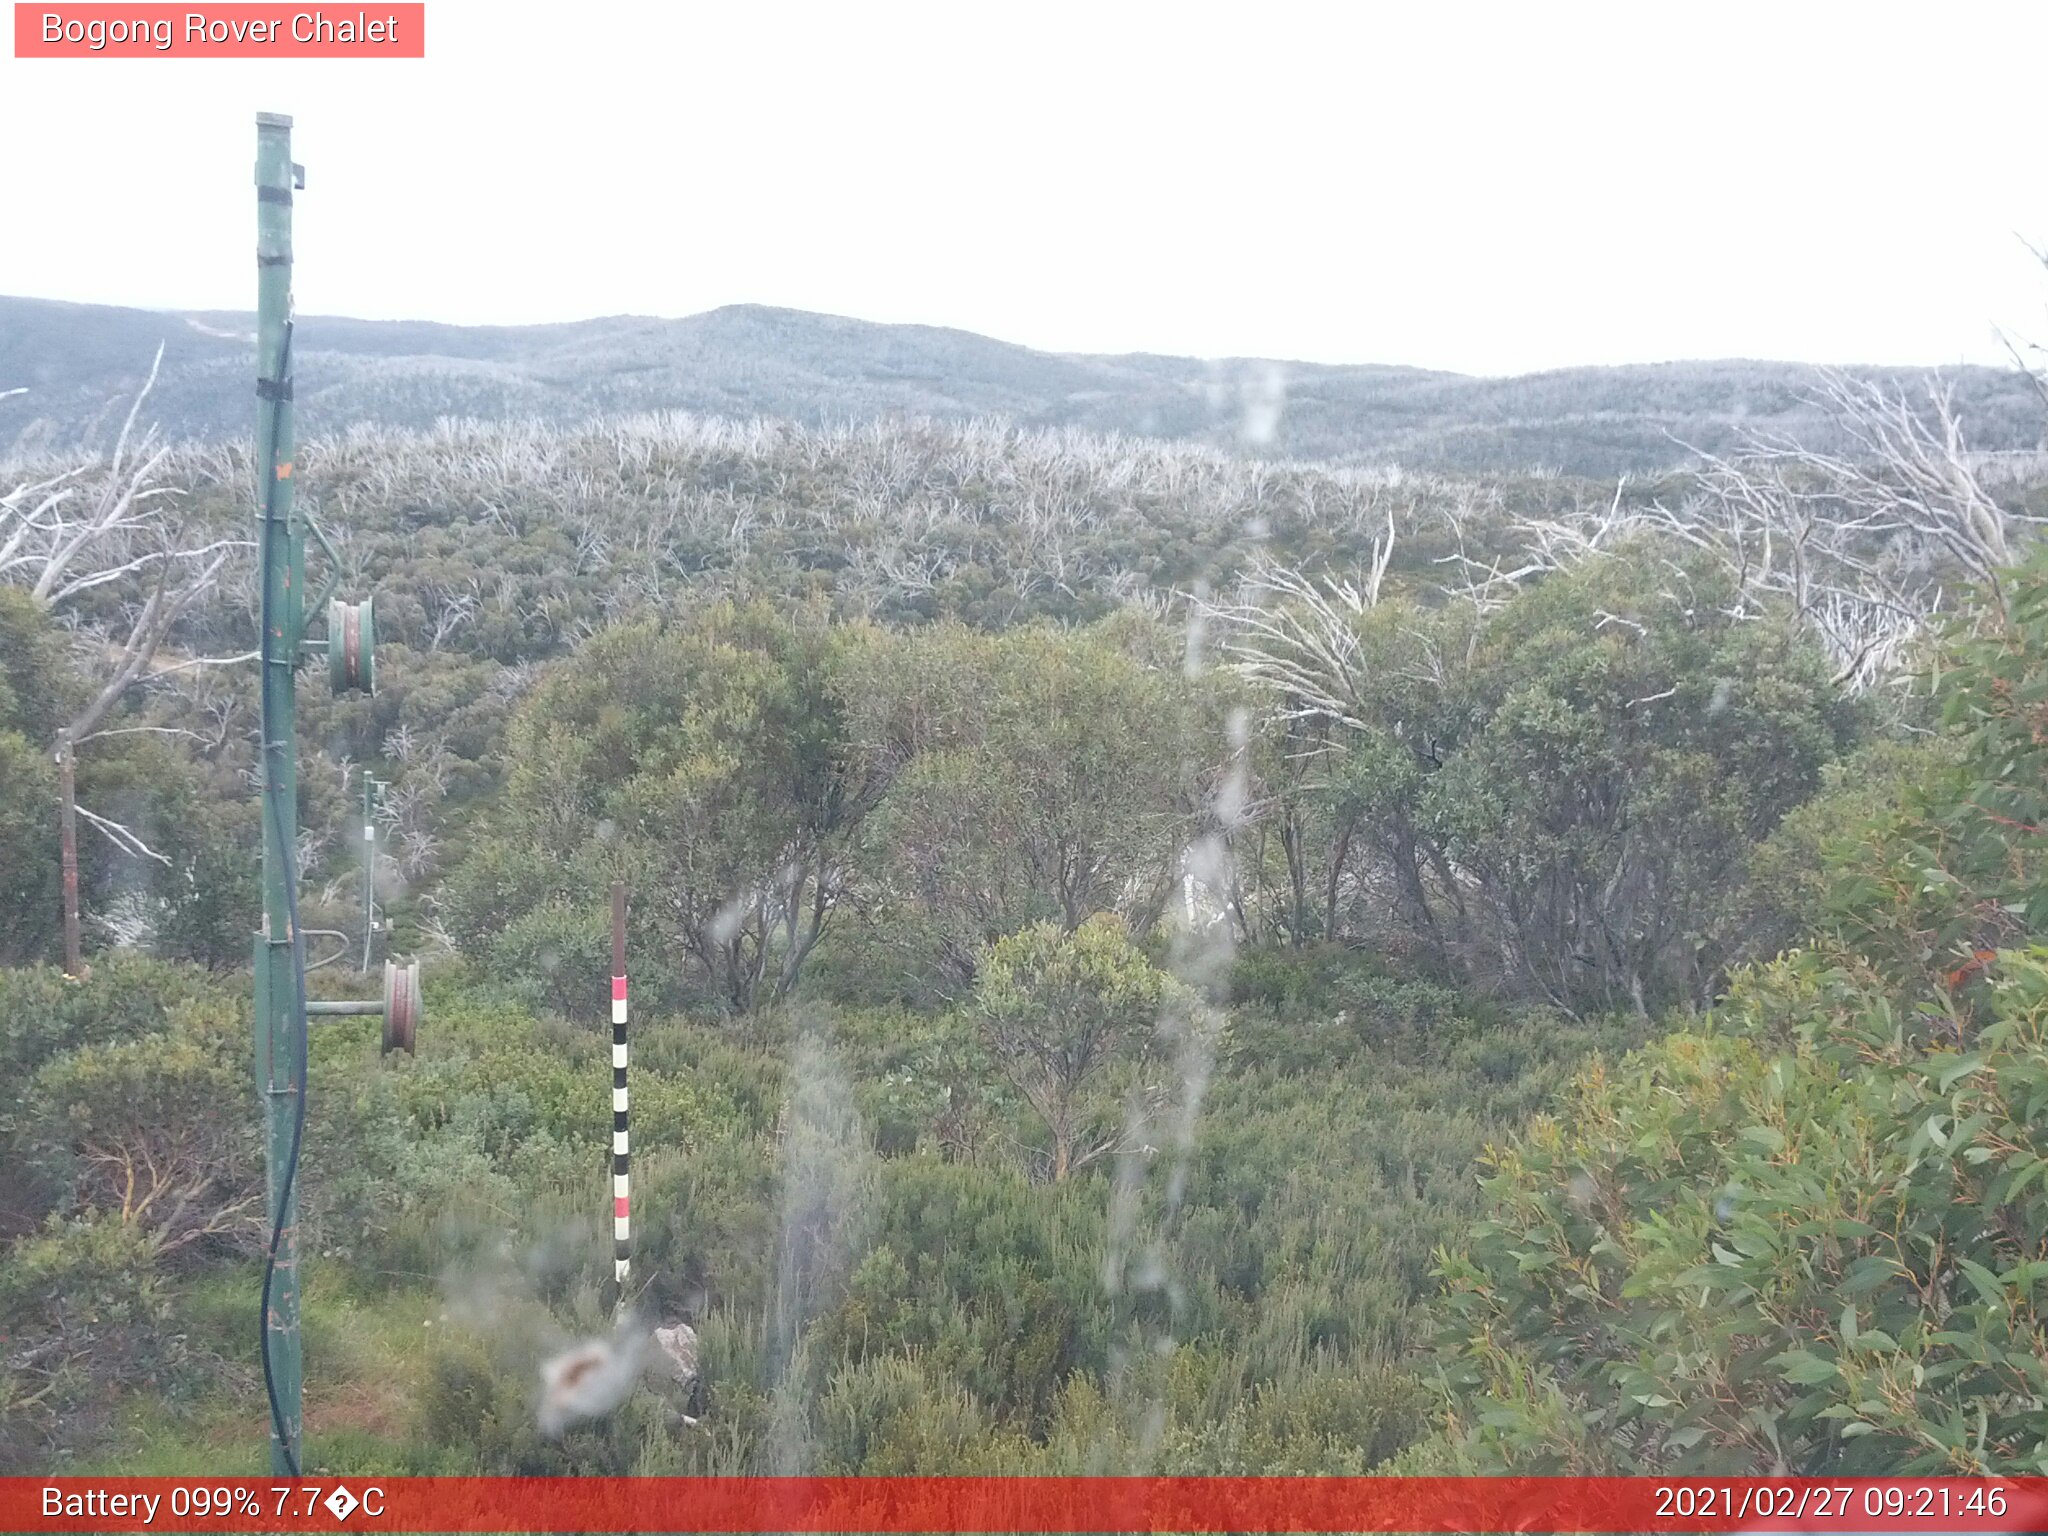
(1024,1504)
(233,31)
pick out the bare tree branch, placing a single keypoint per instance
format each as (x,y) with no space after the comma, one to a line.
(122,837)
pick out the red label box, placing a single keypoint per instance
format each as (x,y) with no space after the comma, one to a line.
(919,1506)
(233,31)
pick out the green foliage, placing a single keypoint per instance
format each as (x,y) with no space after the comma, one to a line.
(475,1406)
(125,1156)
(485,1138)
(200,907)
(1616,775)
(146,1131)
(84,1313)
(1809,1235)
(30,889)
(707,761)
(755,775)
(1794,874)
(898,901)
(36,680)
(898,1416)
(1061,1013)
(1030,776)
(1958,870)
(557,955)
(1734,1256)
(872,1273)
(1332,1418)
(38,685)
(1558,797)
(44,1013)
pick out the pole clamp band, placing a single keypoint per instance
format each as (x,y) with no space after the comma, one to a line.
(273,389)
(274,195)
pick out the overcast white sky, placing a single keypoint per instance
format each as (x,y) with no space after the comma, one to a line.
(1489,188)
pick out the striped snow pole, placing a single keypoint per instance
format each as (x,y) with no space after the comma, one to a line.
(622,1243)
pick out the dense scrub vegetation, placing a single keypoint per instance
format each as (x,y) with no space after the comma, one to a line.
(1094,908)
(857,1205)
(1808,1233)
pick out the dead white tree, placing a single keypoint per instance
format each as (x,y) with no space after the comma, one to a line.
(1296,636)
(102,525)
(1296,639)
(1858,544)
(455,607)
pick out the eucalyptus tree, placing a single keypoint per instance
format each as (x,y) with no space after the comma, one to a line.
(1074,1020)
(1028,776)
(1552,790)
(704,763)
(1803,1234)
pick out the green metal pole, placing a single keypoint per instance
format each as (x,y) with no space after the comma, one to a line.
(279,1024)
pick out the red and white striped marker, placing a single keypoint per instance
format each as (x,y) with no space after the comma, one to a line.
(622,1243)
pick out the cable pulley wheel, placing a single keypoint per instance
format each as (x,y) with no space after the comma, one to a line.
(401,1006)
(352,646)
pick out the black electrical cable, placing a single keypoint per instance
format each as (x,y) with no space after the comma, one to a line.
(286,854)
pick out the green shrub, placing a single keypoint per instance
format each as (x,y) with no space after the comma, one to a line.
(1808,1234)
(84,1314)
(158,1133)
(125,997)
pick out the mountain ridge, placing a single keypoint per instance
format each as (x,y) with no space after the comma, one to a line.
(81,362)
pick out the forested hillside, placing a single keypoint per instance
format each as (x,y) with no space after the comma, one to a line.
(747,360)
(1145,958)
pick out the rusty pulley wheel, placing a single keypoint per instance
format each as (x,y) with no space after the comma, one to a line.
(352,646)
(401,1006)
